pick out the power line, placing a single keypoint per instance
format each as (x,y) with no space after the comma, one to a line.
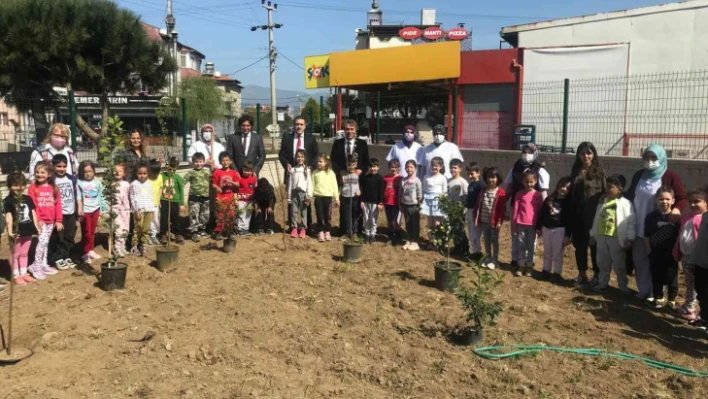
(249,65)
(198,17)
(291,61)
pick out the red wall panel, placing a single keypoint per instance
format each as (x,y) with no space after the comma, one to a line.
(488,66)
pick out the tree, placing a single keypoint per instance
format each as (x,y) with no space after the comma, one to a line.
(89,45)
(311,110)
(204,100)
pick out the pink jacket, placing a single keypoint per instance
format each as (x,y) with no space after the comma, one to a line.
(47,200)
(696,225)
(527,207)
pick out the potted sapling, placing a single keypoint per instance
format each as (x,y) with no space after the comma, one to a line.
(478,301)
(228,213)
(168,254)
(113,272)
(447,273)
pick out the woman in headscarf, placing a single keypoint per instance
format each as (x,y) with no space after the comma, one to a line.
(406,150)
(514,183)
(587,187)
(439,148)
(642,193)
(134,153)
(56,142)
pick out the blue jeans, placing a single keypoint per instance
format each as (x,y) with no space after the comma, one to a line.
(491,240)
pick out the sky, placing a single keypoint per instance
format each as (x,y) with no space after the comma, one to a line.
(221,28)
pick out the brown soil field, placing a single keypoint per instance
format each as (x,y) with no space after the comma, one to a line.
(285,318)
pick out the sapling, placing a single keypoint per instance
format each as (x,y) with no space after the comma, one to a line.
(110,182)
(478,300)
(442,233)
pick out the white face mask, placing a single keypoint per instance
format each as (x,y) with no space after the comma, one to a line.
(527,158)
(651,165)
(439,138)
(206,136)
(409,136)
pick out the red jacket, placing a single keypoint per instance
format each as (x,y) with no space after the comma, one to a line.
(498,209)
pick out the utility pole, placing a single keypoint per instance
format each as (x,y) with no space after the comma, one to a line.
(170,21)
(272,54)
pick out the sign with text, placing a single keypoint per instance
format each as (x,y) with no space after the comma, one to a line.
(433,33)
(317,71)
(410,33)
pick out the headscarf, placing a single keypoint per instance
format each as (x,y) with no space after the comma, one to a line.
(520,167)
(405,132)
(438,129)
(207,125)
(533,148)
(661,158)
(409,127)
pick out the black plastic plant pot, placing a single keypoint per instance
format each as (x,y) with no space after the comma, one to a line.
(113,276)
(352,252)
(447,275)
(473,337)
(229,245)
(166,257)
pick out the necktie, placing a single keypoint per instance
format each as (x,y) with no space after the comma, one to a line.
(243,143)
(299,143)
(349,148)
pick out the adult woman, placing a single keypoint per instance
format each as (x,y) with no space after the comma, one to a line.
(514,182)
(645,184)
(406,150)
(439,148)
(134,153)
(587,187)
(55,143)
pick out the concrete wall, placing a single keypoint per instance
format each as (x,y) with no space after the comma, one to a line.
(693,173)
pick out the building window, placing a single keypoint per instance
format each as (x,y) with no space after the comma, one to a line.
(4,120)
(183,60)
(199,65)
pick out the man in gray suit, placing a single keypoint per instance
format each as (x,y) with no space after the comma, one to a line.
(246,146)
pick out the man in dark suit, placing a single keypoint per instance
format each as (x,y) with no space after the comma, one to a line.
(246,146)
(292,142)
(343,147)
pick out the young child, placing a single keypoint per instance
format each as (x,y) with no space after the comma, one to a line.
(62,242)
(475,187)
(325,191)
(121,207)
(47,202)
(489,215)
(299,190)
(686,245)
(457,188)
(372,186)
(392,200)
(613,232)
(527,209)
(699,260)
(22,224)
(90,202)
(660,237)
(171,202)
(199,179)
(247,186)
(155,178)
(142,204)
(411,198)
(551,224)
(351,196)
(264,202)
(434,186)
(225,182)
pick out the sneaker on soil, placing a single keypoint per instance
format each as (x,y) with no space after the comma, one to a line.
(545,275)
(37,272)
(28,279)
(154,241)
(293,233)
(303,233)
(86,259)
(321,237)
(48,270)
(328,237)
(19,280)
(61,265)
(204,234)
(581,279)
(270,232)
(594,280)
(94,255)
(70,263)
(260,232)
(407,246)
(414,247)
(518,272)
(491,265)
(141,251)
(556,278)
(660,303)
(135,251)
(196,237)
(671,304)
(528,270)
(179,240)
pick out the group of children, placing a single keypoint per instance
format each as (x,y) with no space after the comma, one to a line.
(49,206)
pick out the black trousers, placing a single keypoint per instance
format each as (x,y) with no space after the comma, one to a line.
(581,242)
(702,290)
(349,205)
(323,209)
(263,221)
(664,271)
(61,242)
(411,213)
(171,214)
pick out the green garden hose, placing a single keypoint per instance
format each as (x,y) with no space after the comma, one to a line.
(493,353)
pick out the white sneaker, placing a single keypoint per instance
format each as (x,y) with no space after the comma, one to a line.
(69,263)
(49,271)
(94,255)
(61,265)
(414,247)
(407,246)
(491,266)
(86,259)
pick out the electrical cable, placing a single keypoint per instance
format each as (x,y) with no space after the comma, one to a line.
(491,353)
(248,66)
(291,61)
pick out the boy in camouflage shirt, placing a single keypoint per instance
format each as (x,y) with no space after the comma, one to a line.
(198,179)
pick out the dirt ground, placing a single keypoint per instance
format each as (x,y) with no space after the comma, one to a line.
(284,318)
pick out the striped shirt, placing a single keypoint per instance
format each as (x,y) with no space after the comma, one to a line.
(487,205)
(141,196)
